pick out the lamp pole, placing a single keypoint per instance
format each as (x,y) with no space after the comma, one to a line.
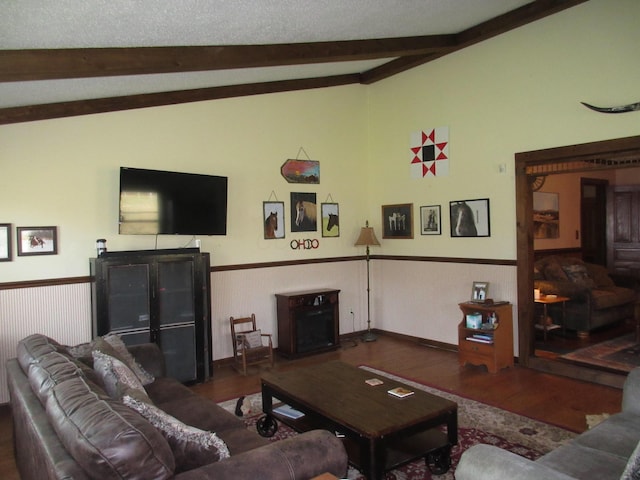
(369,336)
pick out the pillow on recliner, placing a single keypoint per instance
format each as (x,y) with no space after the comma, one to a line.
(192,447)
(578,274)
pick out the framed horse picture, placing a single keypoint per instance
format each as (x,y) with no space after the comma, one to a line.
(304,212)
(330,219)
(470,218)
(397,221)
(273,216)
(37,241)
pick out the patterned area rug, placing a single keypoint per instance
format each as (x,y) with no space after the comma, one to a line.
(477,423)
(622,353)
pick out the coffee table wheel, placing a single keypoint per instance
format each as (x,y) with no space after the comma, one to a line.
(439,461)
(267,426)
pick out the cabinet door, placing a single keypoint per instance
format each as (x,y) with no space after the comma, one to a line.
(176,295)
(178,343)
(128,306)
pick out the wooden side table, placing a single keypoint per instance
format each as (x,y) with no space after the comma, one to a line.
(545,301)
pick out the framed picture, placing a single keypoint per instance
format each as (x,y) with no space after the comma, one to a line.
(37,241)
(397,221)
(430,220)
(546,215)
(480,291)
(273,216)
(330,219)
(304,212)
(470,218)
(5,242)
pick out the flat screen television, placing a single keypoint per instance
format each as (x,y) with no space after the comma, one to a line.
(155,202)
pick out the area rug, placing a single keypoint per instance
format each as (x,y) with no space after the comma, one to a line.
(477,423)
(622,353)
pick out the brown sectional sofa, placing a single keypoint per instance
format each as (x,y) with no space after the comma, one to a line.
(66,426)
(596,299)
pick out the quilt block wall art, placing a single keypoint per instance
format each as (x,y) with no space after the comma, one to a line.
(429,152)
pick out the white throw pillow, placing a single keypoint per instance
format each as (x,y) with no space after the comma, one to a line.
(253,339)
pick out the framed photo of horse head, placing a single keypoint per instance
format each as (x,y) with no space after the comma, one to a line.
(397,221)
(37,241)
(470,218)
(273,216)
(330,219)
(304,212)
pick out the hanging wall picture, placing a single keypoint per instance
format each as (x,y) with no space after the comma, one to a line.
(5,242)
(430,220)
(304,212)
(470,218)
(546,215)
(330,219)
(273,216)
(301,171)
(37,241)
(429,152)
(397,221)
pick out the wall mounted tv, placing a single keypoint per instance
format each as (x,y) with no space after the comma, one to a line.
(154,202)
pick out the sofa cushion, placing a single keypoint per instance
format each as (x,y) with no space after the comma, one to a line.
(114,346)
(201,412)
(191,446)
(116,377)
(553,271)
(600,275)
(31,348)
(618,435)
(51,369)
(579,275)
(612,297)
(108,439)
(632,470)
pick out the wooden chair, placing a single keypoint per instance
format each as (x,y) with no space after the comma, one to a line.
(250,345)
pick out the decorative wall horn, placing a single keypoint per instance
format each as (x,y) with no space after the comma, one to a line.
(632,107)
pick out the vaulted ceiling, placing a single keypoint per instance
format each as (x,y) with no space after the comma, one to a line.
(77,57)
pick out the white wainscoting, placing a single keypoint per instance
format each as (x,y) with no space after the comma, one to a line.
(414,298)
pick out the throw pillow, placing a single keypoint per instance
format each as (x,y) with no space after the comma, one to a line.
(578,274)
(553,271)
(632,470)
(192,447)
(117,378)
(253,339)
(113,345)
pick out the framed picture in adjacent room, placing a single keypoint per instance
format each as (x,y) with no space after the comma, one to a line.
(5,242)
(470,218)
(37,241)
(330,219)
(273,216)
(479,291)
(397,221)
(430,223)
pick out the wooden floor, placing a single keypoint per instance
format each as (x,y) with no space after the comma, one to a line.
(552,399)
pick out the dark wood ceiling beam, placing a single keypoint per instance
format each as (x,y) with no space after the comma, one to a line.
(130,102)
(516,18)
(47,64)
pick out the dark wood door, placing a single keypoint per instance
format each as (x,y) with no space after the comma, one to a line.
(593,220)
(623,223)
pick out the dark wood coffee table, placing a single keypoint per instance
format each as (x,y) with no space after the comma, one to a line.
(380,431)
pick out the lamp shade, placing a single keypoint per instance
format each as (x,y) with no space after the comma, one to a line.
(367,237)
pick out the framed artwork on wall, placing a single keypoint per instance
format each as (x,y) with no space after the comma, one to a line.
(430,223)
(273,216)
(397,221)
(480,291)
(304,212)
(330,219)
(546,215)
(37,241)
(470,218)
(5,242)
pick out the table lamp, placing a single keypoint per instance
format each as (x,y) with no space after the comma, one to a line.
(368,237)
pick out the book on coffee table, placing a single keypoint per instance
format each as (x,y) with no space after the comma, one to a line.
(373,382)
(400,392)
(288,411)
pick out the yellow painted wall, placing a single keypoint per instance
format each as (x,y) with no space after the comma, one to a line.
(518,92)
(65,172)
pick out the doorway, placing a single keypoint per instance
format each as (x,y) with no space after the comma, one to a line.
(604,155)
(593,220)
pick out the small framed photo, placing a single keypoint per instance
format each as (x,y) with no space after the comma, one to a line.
(397,221)
(5,242)
(480,291)
(273,216)
(37,241)
(430,220)
(330,219)
(470,218)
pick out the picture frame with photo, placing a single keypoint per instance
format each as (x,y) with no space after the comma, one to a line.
(273,220)
(479,291)
(397,221)
(470,218)
(5,242)
(330,213)
(304,212)
(430,220)
(37,241)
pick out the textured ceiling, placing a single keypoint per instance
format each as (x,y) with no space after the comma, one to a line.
(133,25)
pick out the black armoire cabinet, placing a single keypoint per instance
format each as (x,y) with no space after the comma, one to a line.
(159,296)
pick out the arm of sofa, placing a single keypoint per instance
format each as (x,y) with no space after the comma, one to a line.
(482,462)
(631,392)
(298,458)
(150,357)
